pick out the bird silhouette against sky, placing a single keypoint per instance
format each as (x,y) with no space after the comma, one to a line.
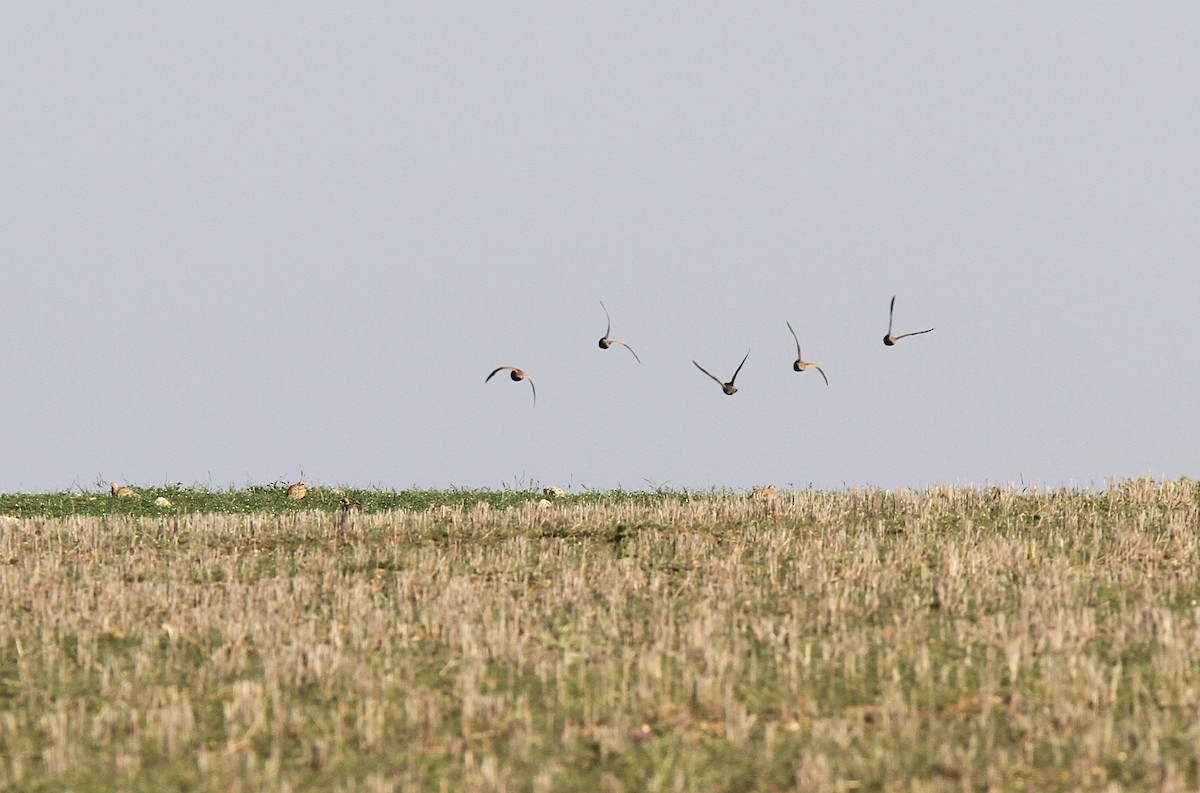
(517,376)
(606,342)
(729,388)
(889,339)
(800,365)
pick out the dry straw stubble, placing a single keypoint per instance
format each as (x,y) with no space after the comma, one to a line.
(957,639)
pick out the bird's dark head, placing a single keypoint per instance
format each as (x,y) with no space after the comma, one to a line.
(888,340)
(605,343)
(798,366)
(517,375)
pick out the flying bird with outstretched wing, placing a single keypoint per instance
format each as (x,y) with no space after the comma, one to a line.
(889,339)
(606,342)
(729,388)
(517,376)
(800,365)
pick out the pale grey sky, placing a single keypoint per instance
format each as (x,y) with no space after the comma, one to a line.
(241,241)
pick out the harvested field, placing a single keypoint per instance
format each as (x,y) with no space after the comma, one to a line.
(948,639)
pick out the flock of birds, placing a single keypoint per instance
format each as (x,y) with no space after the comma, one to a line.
(799,365)
(298,491)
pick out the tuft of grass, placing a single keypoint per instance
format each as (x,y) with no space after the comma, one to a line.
(942,639)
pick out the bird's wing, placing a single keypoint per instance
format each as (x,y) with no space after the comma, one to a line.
(608,329)
(626,346)
(891,309)
(531,385)
(499,369)
(740,365)
(798,353)
(822,371)
(710,374)
(914,333)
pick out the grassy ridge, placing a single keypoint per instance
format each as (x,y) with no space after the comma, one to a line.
(272,499)
(946,639)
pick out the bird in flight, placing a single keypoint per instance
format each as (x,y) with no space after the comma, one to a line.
(729,388)
(606,342)
(800,365)
(889,339)
(517,376)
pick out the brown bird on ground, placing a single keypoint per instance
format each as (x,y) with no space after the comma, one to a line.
(729,388)
(120,491)
(349,506)
(517,376)
(606,342)
(889,339)
(763,493)
(297,491)
(800,365)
